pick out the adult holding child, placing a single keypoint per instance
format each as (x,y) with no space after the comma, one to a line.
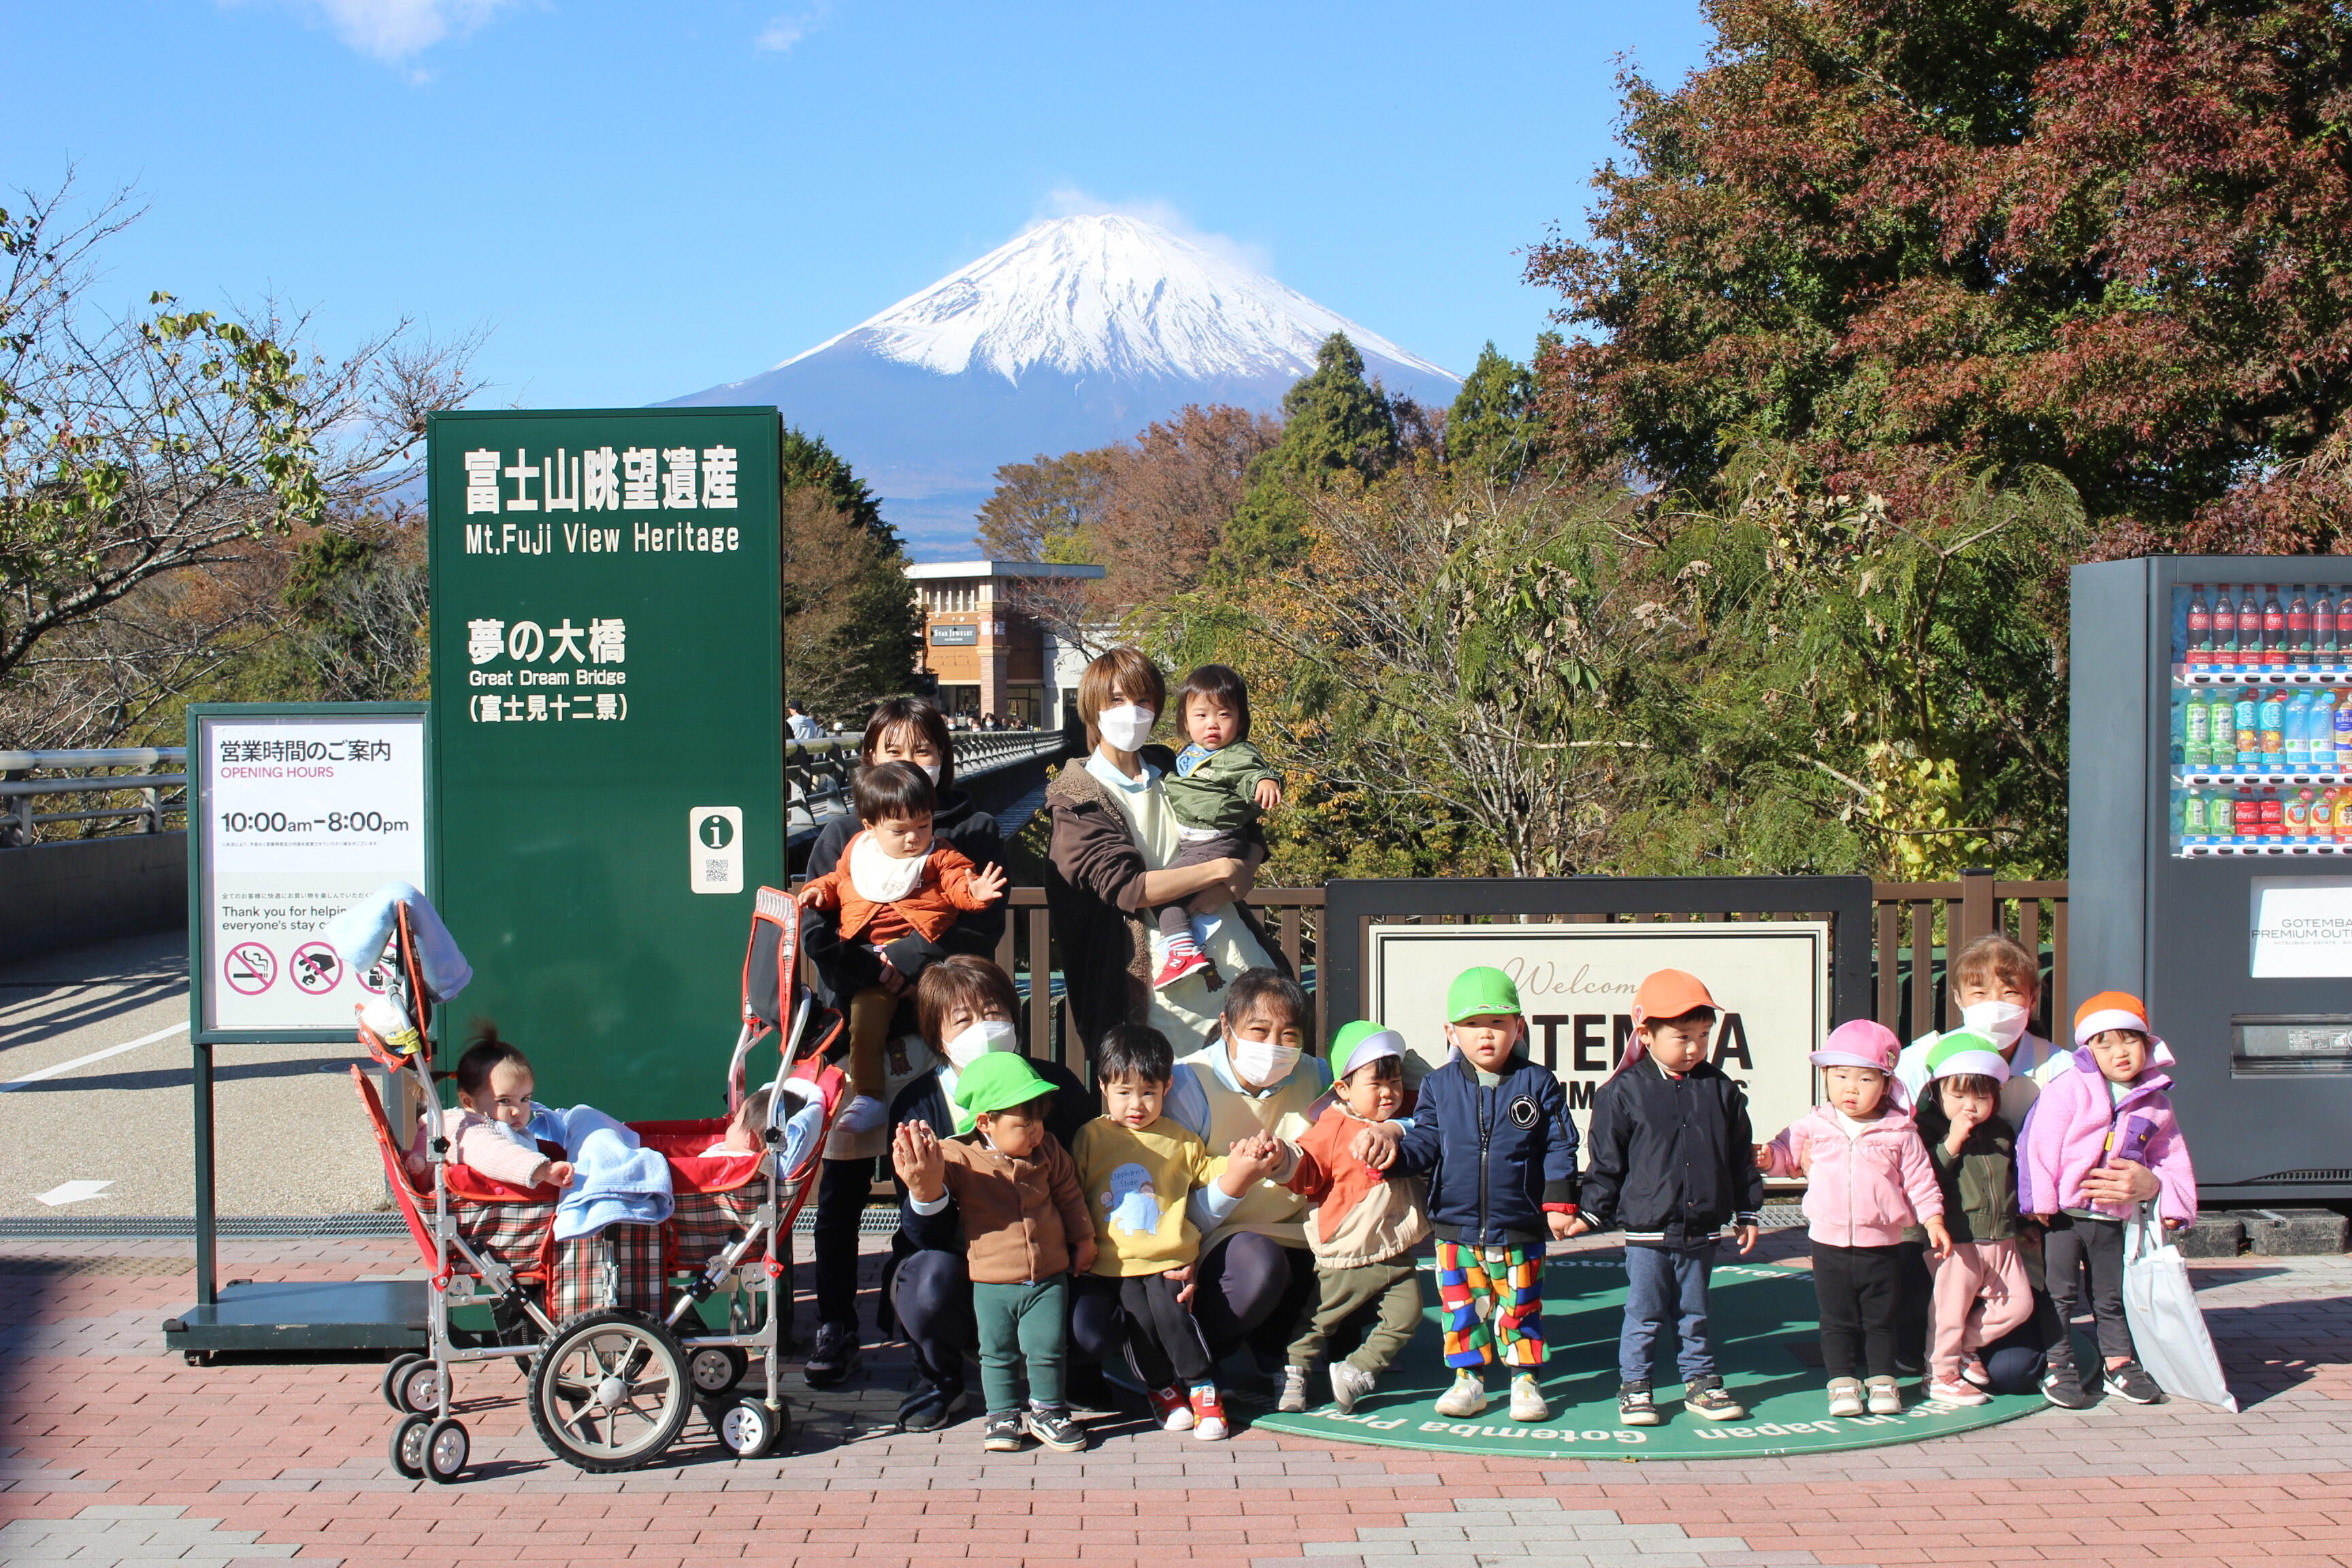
(911,730)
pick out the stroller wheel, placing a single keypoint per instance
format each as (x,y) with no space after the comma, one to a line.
(393,1371)
(750,1428)
(717,1368)
(610,1391)
(446,1449)
(408,1446)
(416,1390)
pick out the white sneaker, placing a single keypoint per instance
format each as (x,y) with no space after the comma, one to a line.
(1885,1396)
(1349,1383)
(1846,1396)
(1466,1397)
(1294,1391)
(1528,1403)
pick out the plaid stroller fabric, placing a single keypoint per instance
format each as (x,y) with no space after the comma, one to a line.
(707,1224)
(633,1253)
(521,1235)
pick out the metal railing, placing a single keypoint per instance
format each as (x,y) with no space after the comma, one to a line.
(153,796)
(816,773)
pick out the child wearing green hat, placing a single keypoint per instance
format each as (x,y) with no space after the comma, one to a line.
(1980,1287)
(1363,1228)
(1491,1132)
(1025,1230)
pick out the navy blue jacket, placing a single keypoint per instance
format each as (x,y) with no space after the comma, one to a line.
(1493,1157)
(1672,1159)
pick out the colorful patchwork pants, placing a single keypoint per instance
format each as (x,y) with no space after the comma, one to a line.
(1491,1296)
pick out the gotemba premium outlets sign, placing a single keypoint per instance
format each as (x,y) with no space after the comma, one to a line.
(608,722)
(1576,983)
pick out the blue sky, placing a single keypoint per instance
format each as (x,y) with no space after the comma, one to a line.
(638,201)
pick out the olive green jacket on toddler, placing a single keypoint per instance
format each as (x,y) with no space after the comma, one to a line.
(1220,791)
(1980,1183)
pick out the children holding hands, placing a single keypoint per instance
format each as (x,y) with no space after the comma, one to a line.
(1139,1173)
(1026,1230)
(1867,1178)
(1672,1161)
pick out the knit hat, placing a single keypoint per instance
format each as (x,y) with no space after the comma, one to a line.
(1964,1053)
(1861,1043)
(1668,994)
(2118,1010)
(999,1081)
(1361,1043)
(1484,989)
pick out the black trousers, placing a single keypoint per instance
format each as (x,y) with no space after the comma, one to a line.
(841,1191)
(1912,1311)
(1860,1289)
(1139,1317)
(1254,1290)
(2073,1248)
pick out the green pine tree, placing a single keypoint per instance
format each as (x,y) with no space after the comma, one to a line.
(1334,423)
(852,627)
(1490,431)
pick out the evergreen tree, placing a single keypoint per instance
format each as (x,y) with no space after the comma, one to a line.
(1491,429)
(807,463)
(1334,423)
(851,629)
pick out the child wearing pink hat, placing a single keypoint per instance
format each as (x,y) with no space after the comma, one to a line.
(1867,1177)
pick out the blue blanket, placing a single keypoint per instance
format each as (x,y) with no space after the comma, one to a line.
(362,932)
(616,1180)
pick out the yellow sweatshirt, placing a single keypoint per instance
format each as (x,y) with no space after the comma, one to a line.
(1138,1184)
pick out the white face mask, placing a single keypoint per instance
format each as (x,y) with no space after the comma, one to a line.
(2005,1021)
(988,1034)
(1126,728)
(1261,1064)
(931,770)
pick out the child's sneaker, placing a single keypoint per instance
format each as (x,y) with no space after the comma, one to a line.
(1528,1403)
(2132,1382)
(1974,1371)
(1178,966)
(1705,1396)
(1957,1391)
(1209,1414)
(1634,1406)
(1846,1396)
(1466,1397)
(1885,1397)
(1003,1432)
(1349,1383)
(2061,1385)
(1056,1429)
(1172,1410)
(1294,1391)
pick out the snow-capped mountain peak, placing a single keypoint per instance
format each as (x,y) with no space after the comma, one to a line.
(1108,295)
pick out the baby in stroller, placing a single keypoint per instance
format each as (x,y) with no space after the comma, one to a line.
(500,1125)
(744,1129)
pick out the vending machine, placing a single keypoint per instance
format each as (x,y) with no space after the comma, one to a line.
(2210,844)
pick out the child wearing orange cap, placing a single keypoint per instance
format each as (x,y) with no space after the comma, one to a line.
(1673,1161)
(2098,1139)
(1866,1179)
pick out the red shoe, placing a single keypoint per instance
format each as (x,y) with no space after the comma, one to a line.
(1208,1414)
(1172,1410)
(1179,965)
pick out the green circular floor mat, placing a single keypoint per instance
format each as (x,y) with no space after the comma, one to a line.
(1766,1339)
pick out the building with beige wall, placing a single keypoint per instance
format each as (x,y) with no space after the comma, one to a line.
(986,654)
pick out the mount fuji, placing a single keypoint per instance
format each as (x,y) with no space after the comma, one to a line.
(1076,334)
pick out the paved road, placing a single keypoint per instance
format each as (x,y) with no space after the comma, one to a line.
(291,1137)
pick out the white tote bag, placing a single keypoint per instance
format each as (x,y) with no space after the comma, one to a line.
(2166,1328)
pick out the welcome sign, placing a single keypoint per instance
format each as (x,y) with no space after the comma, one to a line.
(1772,979)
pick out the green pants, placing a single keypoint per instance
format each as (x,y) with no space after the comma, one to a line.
(1394,1287)
(1022,1323)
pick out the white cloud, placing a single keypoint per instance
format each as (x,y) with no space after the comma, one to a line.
(1070,202)
(790,28)
(392,30)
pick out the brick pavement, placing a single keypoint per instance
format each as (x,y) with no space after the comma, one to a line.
(95,1420)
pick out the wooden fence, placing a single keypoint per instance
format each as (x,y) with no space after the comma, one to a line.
(1910,919)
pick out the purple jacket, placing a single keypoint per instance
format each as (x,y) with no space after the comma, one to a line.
(2075,1121)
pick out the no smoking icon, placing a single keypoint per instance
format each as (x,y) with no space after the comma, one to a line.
(250,968)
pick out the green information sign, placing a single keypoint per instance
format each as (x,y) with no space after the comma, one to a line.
(608,736)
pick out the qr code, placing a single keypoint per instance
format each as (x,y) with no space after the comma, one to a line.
(714,871)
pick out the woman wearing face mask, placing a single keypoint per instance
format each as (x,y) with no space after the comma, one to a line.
(903,729)
(1113,838)
(966,1006)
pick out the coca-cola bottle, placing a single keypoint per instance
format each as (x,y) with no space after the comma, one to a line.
(2200,629)
(2298,630)
(2273,628)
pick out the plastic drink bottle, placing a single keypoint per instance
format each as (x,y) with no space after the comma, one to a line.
(2298,629)
(2250,629)
(2321,730)
(2298,814)
(2192,814)
(2323,628)
(2323,816)
(2273,628)
(2221,816)
(2272,723)
(2225,630)
(2297,733)
(2201,628)
(2197,731)
(2246,712)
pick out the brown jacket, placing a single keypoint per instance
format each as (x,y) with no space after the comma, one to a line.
(1093,886)
(1019,1216)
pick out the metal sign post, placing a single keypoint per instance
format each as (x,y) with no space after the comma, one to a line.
(296,811)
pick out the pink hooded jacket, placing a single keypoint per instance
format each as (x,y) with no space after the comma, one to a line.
(1859,1191)
(2067,1135)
